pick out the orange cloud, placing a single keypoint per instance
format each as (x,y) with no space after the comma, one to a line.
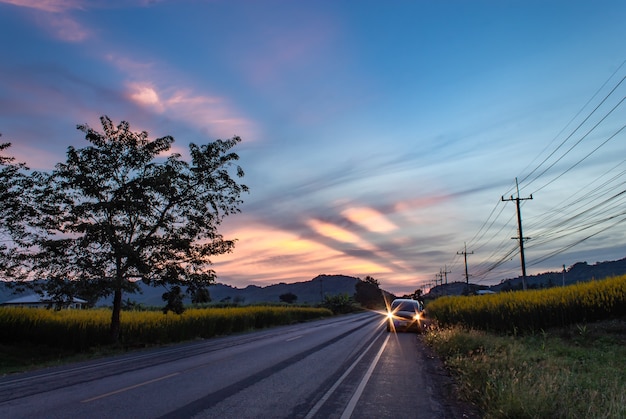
(370,219)
(333,232)
(265,255)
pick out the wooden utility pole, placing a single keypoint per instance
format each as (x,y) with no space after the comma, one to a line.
(464,253)
(521,237)
(445,273)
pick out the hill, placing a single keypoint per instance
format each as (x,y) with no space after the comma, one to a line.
(579,272)
(308,292)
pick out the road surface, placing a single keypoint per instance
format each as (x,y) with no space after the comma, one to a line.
(342,367)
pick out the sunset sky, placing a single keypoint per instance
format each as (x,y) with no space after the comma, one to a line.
(379,138)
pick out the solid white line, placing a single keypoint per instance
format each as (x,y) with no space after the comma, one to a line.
(102,396)
(293,338)
(330,391)
(357,394)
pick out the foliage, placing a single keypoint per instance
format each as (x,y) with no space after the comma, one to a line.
(120,211)
(369,294)
(14,208)
(563,373)
(81,329)
(288,297)
(535,310)
(339,304)
(174,300)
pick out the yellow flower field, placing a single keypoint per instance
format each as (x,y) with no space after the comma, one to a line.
(534,310)
(81,329)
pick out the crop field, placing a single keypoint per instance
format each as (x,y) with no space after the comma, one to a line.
(536,310)
(555,353)
(78,330)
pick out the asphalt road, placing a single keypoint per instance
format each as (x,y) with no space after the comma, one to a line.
(342,367)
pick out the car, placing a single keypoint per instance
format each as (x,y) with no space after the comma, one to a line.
(405,314)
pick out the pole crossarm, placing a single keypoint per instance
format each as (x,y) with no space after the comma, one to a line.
(521,237)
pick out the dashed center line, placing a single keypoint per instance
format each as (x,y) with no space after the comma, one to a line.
(102,396)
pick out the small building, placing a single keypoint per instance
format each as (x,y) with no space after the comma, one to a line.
(42,301)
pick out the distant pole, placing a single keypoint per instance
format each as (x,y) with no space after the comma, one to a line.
(563,275)
(519,228)
(464,253)
(446,272)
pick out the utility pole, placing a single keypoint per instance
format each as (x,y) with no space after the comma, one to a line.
(521,237)
(446,272)
(563,275)
(464,253)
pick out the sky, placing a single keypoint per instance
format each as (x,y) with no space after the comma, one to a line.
(378,138)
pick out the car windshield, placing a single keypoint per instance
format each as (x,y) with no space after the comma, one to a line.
(404,306)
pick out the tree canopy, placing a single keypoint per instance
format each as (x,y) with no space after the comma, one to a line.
(14,209)
(122,210)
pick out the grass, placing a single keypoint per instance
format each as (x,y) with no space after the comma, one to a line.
(27,357)
(574,372)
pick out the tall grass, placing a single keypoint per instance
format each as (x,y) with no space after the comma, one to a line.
(82,329)
(571,373)
(534,310)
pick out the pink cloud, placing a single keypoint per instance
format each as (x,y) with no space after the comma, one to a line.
(52,6)
(54,16)
(369,219)
(67,29)
(210,113)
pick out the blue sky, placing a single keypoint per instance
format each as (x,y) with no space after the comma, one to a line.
(378,137)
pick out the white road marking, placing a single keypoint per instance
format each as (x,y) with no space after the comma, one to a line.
(102,396)
(357,394)
(293,338)
(331,390)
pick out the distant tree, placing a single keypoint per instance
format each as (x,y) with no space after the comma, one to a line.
(369,294)
(120,211)
(339,304)
(174,300)
(288,297)
(371,280)
(200,295)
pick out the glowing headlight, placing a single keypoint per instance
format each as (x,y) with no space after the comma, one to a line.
(417,316)
(389,315)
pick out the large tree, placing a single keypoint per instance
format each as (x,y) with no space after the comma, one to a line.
(121,210)
(14,209)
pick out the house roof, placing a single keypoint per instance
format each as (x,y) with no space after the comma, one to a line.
(38,299)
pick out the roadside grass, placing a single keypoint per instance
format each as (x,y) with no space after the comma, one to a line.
(22,357)
(578,371)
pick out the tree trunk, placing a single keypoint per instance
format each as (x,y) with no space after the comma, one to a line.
(115,316)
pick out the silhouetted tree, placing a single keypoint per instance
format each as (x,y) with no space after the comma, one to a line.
(15,208)
(200,295)
(288,297)
(338,304)
(174,300)
(120,211)
(369,294)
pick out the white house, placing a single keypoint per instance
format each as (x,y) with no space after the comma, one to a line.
(38,301)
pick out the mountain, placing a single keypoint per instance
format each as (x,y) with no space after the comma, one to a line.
(310,292)
(579,272)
